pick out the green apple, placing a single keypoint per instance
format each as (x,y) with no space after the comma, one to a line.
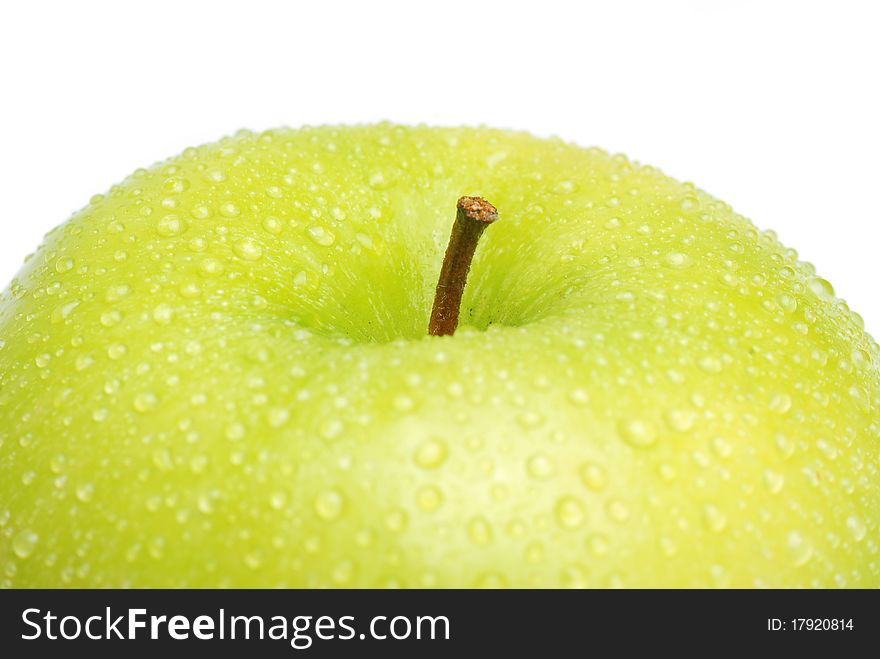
(219,374)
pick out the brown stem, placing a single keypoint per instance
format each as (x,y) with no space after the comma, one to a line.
(473,215)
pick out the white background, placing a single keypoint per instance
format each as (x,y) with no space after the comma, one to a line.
(771,106)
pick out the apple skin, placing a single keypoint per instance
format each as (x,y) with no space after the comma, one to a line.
(218,374)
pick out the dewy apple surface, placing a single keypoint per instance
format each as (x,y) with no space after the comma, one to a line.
(219,374)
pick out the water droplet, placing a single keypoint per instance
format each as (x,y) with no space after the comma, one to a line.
(431,453)
(365,240)
(403,403)
(784,445)
(396,520)
(277,417)
(680,420)
(343,573)
(860,358)
(321,236)
(248,250)
(24,542)
(857,527)
(534,552)
(204,504)
(574,577)
(235,431)
(822,288)
(42,361)
(773,481)
(379,181)
(253,560)
(117,292)
(85,492)
(479,531)
(272,225)
(678,260)
(57,464)
(190,290)
(667,546)
(787,303)
(713,518)
(156,547)
(710,364)
(579,396)
(564,187)
(83,362)
(64,264)
(780,403)
(667,472)
(491,581)
(200,212)
(365,537)
(62,312)
(146,401)
(110,318)
(163,314)
(800,549)
(720,577)
(495,159)
(593,475)
(569,512)
(331,429)
(540,466)
(860,397)
(637,433)
(116,351)
(162,459)
(199,244)
(598,544)
(278,500)
(617,511)
(229,209)
(689,204)
(197,463)
(210,267)
(329,504)
(170,225)
(530,419)
(429,498)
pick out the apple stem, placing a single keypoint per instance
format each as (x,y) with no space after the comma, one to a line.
(472,217)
